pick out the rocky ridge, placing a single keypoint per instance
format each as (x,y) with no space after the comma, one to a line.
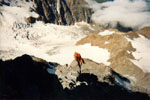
(62,12)
(69,73)
(27,77)
(120,54)
(80,10)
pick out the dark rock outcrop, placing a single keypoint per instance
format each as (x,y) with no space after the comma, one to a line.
(96,90)
(122,28)
(54,11)
(64,12)
(2,2)
(31,20)
(26,77)
(100,1)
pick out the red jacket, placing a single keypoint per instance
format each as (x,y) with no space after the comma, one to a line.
(78,57)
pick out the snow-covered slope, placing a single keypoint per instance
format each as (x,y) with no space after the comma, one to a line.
(48,41)
(142,46)
(142,54)
(128,56)
(17,11)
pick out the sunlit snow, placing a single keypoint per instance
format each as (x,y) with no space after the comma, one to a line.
(106,32)
(65,54)
(142,53)
(54,43)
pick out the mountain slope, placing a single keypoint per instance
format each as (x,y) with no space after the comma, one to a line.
(126,53)
(27,77)
(126,56)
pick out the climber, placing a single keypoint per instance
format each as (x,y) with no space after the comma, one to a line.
(79,59)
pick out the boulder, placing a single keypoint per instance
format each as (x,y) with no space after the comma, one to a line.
(31,20)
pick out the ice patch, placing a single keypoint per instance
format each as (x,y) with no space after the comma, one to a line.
(106,32)
(58,6)
(122,83)
(51,70)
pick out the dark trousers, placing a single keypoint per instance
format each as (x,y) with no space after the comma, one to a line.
(79,64)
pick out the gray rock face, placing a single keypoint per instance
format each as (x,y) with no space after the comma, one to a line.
(69,74)
(80,10)
(63,12)
(49,11)
(54,11)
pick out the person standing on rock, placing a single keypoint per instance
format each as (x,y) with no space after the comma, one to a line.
(79,59)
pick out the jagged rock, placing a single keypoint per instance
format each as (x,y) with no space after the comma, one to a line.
(27,77)
(145,31)
(100,90)
(68,74)
(24,78)
(2,2)
(54,11)
(80,10)
(64,12)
